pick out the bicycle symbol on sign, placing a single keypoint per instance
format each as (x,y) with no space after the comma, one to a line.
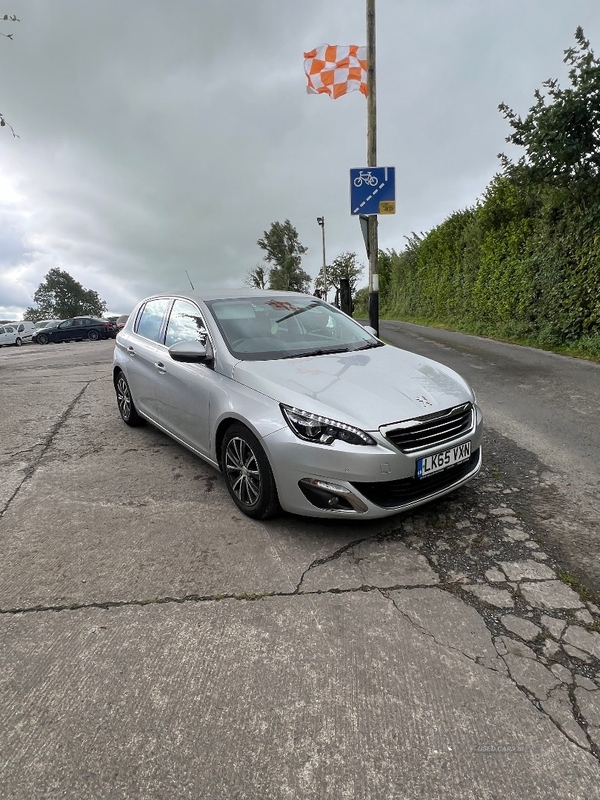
(366,178)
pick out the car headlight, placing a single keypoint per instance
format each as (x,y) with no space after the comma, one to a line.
(323,430)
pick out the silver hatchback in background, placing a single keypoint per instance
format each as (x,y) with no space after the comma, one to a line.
(297,404)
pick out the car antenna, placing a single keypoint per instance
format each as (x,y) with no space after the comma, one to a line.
(190,280)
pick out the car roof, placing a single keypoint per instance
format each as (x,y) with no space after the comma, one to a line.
(227,294)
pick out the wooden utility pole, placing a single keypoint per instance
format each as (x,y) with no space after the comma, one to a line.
(372,162)
(321,222)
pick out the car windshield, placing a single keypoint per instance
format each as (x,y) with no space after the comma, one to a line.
(49,323)
(268,328)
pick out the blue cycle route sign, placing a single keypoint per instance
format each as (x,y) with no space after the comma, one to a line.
(373,190)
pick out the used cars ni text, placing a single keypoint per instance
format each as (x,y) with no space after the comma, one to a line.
(76,329)
(297,404)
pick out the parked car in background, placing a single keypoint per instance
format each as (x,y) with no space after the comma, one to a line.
(76,329)
(9,335)
(41,324)
(25,329)
(297,404)
(121,321)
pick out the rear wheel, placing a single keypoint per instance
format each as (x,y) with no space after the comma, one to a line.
(93,335)
(127,408)
(248,474)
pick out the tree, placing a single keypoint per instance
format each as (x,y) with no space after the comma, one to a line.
(561,137)
(8,18)
(60,296)
(344,266)
(284,251)
(257,278)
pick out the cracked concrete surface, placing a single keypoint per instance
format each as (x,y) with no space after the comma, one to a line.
(201,654)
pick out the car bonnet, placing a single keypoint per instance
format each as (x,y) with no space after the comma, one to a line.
(368,388)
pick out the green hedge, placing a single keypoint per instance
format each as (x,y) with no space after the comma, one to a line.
(524,263)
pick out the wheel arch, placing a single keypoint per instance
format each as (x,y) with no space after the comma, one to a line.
(224,426)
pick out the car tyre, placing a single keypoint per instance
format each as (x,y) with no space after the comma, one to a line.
(127,408)
(18,342)
(248,474)
(93,336)
(43,338)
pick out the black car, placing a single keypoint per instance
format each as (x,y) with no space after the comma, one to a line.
(76,329)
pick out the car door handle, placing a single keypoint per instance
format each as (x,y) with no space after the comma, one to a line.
(130,350)
(160,367)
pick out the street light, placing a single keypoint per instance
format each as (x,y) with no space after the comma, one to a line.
(321,222)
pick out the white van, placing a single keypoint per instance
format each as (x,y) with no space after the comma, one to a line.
(25,329)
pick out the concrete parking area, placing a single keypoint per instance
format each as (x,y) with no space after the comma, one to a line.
(156,643)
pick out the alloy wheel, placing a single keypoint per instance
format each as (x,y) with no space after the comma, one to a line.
(123,398)
(243,471)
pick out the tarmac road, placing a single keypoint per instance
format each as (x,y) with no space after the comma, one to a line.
(547,404)
(155,643)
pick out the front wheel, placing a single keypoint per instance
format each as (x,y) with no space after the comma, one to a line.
(127,408)
(248,474)
(18,342)
(93,336)
(43,338)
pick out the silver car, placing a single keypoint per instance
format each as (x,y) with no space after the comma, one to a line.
(298,405)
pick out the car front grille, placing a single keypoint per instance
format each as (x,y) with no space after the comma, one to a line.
(393,494)
(431,430)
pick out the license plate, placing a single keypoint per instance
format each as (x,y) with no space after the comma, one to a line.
(439,461)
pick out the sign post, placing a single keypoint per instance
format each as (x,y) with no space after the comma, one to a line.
(373,247)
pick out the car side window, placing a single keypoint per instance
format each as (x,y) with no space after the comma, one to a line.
(186,324)
(2,330)
(149,322)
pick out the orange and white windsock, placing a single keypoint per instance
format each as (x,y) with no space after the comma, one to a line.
(336,69)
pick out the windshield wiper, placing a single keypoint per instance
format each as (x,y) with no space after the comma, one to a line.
(320,352)
(370,344)
(297,311)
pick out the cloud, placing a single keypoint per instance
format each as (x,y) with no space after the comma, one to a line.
(157,138)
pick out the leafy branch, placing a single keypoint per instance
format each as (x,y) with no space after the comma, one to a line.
(8,18)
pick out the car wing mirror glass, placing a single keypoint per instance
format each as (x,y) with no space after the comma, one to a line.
(188,352)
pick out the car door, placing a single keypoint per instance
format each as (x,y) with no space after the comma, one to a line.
(78,330)
(140,346)
(183,391)
(62,332)
(11,334)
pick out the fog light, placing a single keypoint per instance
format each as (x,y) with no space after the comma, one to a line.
(326,494)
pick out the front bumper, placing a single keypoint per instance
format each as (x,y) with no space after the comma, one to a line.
(368,482)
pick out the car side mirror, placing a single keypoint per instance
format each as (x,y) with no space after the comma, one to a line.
(189,352)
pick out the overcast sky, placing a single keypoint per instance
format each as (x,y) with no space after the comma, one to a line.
(158,136)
